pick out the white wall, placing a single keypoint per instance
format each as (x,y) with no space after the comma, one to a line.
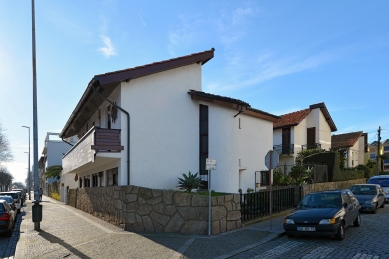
(361,148)
(277,137)
(324,131)
(164,130)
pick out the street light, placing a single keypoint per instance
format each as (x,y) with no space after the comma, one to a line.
(28,171)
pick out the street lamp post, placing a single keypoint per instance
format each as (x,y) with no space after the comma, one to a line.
(28,171)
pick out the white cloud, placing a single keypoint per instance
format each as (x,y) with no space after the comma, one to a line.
(240,14)
(108,49)
(141,19)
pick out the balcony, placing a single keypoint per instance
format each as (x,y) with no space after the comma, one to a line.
(284,149)
(312,146)
(87,151)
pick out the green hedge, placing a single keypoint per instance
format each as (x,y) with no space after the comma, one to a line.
(351,174)
(331,159)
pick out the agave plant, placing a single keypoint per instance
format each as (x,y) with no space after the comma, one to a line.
(189,182)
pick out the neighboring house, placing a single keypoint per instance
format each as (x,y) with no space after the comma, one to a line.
(356,145)
(52,154)
(174,127)
(300,130)
(385,147)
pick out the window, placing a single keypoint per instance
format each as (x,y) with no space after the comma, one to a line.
(372,150)
(372,156)
(203,138)
(386,168)
(112,175)
(95,182)
(386,148)
(80,186)
(386,161)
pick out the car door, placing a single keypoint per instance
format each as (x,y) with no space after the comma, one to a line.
(349,209)
(355,207)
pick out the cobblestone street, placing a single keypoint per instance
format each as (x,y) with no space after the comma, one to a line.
(370,240)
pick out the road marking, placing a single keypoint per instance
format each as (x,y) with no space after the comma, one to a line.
(319,252)
(279,250)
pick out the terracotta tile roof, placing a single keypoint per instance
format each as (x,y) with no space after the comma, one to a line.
(240,106)
(294,118)
(291,119)
(345,140)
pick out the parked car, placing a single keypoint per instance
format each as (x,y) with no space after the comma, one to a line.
(16,197)
(325,213)
(370,196)
(7,218)
(382,180)
(21,196)
(22,192)
(10,201)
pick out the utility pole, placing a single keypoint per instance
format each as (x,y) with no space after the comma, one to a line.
(378,151)
(36,208)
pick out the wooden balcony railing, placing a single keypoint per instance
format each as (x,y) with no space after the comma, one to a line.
(107,140)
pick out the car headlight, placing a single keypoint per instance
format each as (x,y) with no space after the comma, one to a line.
(327,221)
(288,221)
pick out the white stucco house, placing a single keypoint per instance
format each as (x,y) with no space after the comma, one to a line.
(355,144)
(54,149)
(304,129)
(148,125)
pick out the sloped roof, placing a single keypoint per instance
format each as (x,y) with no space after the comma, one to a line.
(291,119)
(294,118)
(106,83)
(345,140)
(240,106)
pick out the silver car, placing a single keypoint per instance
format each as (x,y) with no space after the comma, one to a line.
(382,180)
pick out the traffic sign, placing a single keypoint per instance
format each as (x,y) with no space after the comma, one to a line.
(272,159)
(210,164)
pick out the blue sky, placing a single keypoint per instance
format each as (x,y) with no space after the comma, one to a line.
(279,56)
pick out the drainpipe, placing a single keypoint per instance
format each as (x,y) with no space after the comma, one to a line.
(67,142)
(128,130)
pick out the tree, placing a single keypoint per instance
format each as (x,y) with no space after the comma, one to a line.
(53,171)
(5,149)
(189,182)
(5,179)
(20,185)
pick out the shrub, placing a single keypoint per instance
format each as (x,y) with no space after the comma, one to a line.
(281,177)
(348,174)
(189,182)
(302,155)
(55,196)
(367,171)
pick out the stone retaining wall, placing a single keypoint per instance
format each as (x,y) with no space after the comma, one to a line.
(330,186)
(141,209)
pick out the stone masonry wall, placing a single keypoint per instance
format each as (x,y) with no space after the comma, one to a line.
(141,209)
(330,186)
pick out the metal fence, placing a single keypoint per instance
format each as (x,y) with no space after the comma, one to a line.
(256,204)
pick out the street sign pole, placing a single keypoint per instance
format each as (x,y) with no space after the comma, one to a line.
(210,164)
(209,203)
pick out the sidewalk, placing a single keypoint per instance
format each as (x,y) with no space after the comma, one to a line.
(70,233)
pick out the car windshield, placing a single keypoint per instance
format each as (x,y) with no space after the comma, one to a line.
(13,194)
(7,198)
(384,182)
(363,190)
(321,200)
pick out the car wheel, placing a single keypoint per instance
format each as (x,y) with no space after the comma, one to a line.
(340,234)
(357,221)
(375,209)
(383,205)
